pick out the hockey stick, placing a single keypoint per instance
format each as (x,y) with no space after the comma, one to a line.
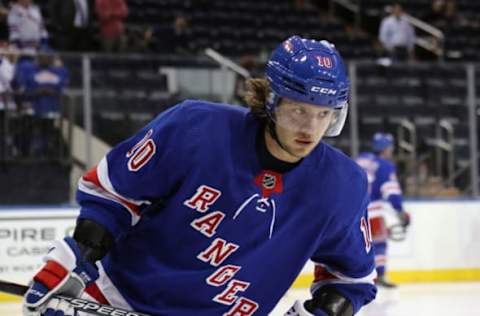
(79,304)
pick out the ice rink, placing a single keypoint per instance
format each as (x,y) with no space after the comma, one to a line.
(434,299)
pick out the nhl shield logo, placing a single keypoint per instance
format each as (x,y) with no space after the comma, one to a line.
(269,181)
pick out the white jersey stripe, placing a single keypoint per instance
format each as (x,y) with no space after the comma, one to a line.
(109,291)
(102,173)
(377,208)
(92,189)
(341,278)
(389,188)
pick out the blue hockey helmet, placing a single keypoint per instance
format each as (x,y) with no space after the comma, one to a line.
(381,141)
(312,72)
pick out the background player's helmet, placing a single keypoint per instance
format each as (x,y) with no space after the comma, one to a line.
(312,72)
(380,141)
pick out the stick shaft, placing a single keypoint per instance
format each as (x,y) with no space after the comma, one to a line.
(79,304)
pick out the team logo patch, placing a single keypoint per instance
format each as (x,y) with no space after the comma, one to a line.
(324,61)
(269,182)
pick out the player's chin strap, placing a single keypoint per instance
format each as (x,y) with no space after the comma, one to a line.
(273,132)
(325,302)
(272,102)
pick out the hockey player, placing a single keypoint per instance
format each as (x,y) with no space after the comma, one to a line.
(214,209)
(384,189)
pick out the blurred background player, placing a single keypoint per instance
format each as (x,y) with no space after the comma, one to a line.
(384,189)
(229,242)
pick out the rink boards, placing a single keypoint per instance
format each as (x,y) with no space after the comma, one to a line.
(441,244)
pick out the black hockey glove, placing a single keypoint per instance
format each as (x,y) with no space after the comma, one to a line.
(404,218)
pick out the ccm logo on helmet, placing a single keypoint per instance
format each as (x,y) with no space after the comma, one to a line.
(326,91)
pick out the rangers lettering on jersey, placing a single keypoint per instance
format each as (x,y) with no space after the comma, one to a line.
(219,250)
(208,224)
(223,275)
(204,197)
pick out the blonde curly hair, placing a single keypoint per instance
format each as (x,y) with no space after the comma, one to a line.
(257,93)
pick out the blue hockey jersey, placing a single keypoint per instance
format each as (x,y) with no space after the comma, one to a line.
(202,230)
(382,179)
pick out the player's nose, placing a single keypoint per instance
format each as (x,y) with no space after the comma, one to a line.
(308,126)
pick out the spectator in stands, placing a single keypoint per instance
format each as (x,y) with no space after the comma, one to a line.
(24,68)
(45,84)
(112,14)
(43,88)
(435,15)
(7,68)
(396,35)
(170,38)
(70,24)
(21,123)
(27,29)
(181,32)
(443,14)
(139,38)
(451,17)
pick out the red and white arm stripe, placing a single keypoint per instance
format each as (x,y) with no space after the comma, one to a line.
(380,260)
(92,189)
(108,291)
(96,182)
(94,293)
(376,205)
(390,187)
(102,172)
(376,208)
(325,275)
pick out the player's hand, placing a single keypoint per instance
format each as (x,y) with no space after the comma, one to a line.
(54,307)
(298,309)
(65,272)
(404,218)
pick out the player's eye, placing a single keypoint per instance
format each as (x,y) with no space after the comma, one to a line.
(323,114)
(298,110)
